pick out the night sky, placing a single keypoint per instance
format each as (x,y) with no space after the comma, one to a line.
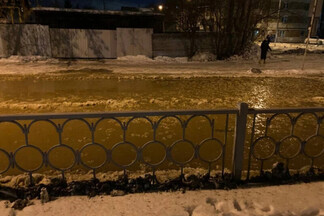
(100,4)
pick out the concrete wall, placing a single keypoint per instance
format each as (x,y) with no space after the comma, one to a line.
(83,43)
(86,43)
(172,45)
(177,44)
(73,43)
(132,41)
(24,40)
(102,43)
(2,47)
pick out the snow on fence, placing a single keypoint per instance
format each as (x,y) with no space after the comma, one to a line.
(252,139)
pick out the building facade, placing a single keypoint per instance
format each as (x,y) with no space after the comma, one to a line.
(290,21)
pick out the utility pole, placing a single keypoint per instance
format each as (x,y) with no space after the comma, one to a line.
(279,8)
(309,32)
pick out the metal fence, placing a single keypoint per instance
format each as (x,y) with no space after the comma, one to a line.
(242,133)
(292,116)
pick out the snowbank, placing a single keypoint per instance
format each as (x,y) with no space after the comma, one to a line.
(295,46)
(252,52)
(145,59)
(288,200)
(204,57)
(22,59)
(171,60)
(277,65)
(138,58)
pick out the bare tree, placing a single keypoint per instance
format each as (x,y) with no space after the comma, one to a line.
(187,14)
(231,23)
(236,21)
(8,9)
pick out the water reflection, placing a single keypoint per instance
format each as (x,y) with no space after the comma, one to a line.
(262,96)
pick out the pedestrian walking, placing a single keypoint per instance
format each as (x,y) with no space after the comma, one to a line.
(264,50)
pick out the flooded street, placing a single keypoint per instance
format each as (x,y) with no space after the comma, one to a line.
(140,83)
(91,92)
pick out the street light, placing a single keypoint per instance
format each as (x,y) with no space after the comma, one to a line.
(160,8)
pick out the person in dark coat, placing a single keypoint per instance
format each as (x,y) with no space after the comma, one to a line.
(264,50)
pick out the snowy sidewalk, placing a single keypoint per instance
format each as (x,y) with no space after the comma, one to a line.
(277,65)
(301,200)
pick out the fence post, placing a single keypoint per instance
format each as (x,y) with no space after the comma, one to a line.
(238,149)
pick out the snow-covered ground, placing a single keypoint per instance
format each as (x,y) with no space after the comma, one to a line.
(301,200)
(284,60)
(277,65)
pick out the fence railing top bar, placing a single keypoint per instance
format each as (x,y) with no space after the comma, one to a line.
(45,116)
(113,114)
(286,110)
